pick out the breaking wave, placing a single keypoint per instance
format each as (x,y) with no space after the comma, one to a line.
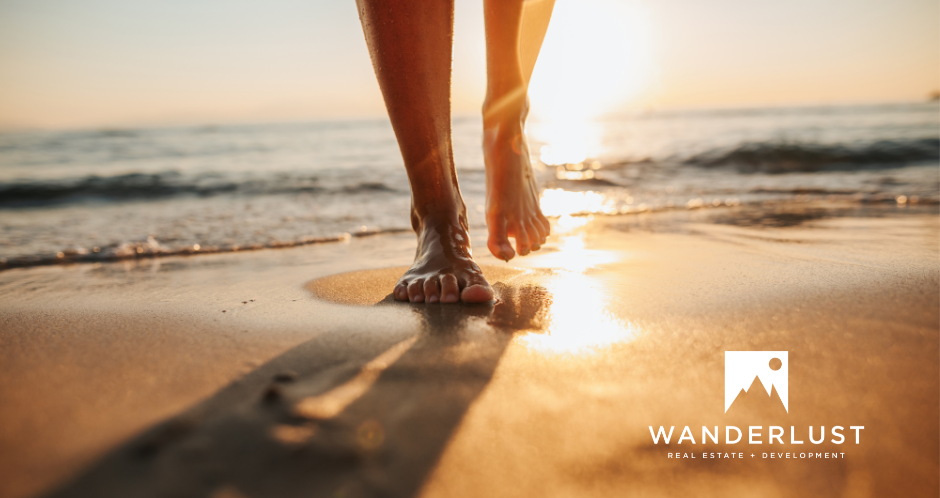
(135,186)
(783,157)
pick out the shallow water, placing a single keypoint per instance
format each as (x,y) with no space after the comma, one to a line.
(90,195)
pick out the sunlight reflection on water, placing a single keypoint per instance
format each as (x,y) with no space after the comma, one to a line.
(558,202)
(566,141)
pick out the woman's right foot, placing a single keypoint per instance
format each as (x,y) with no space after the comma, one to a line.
(512,195)
(443,270)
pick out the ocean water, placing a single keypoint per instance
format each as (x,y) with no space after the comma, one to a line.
(124,193)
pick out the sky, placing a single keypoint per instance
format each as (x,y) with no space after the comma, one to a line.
(115,63)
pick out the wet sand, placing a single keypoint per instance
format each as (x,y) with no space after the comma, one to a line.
(292,373)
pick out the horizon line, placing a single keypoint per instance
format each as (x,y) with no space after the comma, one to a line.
(643,110)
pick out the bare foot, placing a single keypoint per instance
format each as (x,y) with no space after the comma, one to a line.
(512,195)
(443,270)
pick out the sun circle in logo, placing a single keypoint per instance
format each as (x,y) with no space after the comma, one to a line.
(775,364)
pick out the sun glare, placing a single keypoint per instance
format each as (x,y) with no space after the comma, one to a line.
(596,55)
(566,141)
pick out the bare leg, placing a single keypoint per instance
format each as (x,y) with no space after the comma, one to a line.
(514,33)
(410,44)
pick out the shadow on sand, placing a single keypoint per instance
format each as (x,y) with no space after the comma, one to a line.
(252,440)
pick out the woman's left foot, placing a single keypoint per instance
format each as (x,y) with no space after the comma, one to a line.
(443,270)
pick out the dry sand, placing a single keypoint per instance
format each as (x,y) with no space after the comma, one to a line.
(128,379)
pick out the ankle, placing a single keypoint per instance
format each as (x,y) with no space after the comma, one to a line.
(505,107)
(434,217)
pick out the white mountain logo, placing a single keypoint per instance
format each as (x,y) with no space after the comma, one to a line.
(770,367)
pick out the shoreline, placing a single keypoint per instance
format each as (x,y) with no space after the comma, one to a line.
(151,250)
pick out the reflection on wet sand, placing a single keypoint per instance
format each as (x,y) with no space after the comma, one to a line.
(578,320)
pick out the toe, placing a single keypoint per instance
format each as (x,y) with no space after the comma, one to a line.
(475,288)
(535,241)
(522,239)
(401,292)
(498,242)
(432,292)
(546,226)
(450,291)
(416,291)
(477,293)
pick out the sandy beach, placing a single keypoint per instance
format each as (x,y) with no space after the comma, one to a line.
(291,372)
